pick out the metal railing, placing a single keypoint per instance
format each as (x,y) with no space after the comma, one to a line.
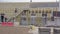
(48,30)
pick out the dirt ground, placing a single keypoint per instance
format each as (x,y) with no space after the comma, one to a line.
(13,30)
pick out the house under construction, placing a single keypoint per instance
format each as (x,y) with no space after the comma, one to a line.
(30,13)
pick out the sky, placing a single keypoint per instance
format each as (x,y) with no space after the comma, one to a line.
(28,0)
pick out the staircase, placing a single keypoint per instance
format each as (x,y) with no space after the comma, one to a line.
(14,17)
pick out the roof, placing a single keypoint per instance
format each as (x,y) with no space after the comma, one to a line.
(31,5)
(44,4)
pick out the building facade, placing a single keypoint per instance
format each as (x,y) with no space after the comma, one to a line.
(34,13)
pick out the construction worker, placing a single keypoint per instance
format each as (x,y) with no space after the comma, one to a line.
(32,27)
(2,17)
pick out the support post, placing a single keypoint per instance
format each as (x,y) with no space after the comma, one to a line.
(59,4)
(52,30)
